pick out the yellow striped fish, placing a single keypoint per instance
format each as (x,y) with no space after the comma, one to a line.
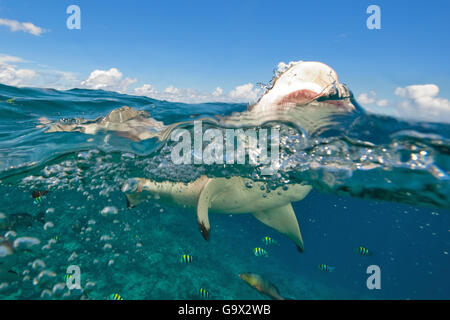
(259,252)
(115,296)
(204,294)
(67,277)
(325,268)
(363,251)
(268,240)
(186,258)
(37,196)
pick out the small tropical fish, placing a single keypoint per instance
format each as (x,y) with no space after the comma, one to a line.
(262,285)
(325,268)
(268,240)
(186,258)
(115,296)
(363,251)
(259,252)
(37,196)
(67,277)
(10,101)
(204,293)
(56,238)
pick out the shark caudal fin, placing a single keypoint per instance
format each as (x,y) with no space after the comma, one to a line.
(283,220)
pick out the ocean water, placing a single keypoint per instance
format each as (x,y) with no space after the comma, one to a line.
(378,182)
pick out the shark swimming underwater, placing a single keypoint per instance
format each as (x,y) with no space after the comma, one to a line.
(305,93)
(229,196)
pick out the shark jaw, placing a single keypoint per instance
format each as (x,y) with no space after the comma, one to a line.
(301,83)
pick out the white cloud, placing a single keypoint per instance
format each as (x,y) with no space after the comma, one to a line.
(371,98)
(5,59)
(110,80)
(421,103)
(27,27)
(382,103)
(145,90)
(367,98)
(172,90)
(15,77)
(218,92)
(11,74)
(244,93)
(417,91)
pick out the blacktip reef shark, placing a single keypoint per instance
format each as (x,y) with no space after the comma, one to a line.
(305,93)
(229,196)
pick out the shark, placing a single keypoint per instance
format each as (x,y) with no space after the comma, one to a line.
(226,196)
(307,93)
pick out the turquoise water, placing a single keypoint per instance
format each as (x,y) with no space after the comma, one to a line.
(390,194)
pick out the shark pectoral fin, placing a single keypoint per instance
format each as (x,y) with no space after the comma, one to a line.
(283,220)
(134,192)
(211,189)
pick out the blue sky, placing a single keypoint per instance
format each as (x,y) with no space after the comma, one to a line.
(202,45)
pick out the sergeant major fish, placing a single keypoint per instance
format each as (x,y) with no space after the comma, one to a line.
(259,252)
(325,268)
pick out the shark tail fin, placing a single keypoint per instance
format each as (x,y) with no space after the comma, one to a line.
(283,220)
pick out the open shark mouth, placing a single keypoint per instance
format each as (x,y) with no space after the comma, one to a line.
(300,97)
